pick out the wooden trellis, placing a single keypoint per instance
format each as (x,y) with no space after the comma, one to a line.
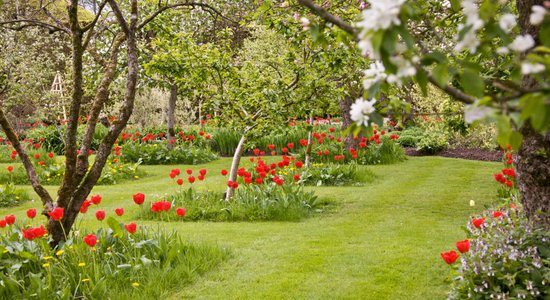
(57,89)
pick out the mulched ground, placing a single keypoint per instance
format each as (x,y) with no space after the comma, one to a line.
(472,154)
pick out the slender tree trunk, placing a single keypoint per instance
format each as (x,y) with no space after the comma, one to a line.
(235,166)
(309,141)
(345,108)
(172,113)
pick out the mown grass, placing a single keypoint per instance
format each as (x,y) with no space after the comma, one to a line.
(382,241)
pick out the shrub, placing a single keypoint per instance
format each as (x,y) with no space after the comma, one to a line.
(264,202)
(410,137)
(10,195)
(52,173)
(146,264)
(478,136)
(158,153)
(52,137)
(335,175)
(509,258)
(432,142)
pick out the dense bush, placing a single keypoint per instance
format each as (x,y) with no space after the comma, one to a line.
(432,142)
(335,175)
(51,173)
(264,202)
(478,136)
(410,137)
(10,195)
(119,264)
(509,258)
(52,137)
(158,153)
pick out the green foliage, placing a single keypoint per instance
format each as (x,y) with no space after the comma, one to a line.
(147,264)
(410,136)
(432,142)
(52,173)
(508,257)
(52,137)
(10,195)
(160,154)
(266,202)
(335,175)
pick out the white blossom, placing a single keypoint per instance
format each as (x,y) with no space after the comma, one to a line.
(529,68)
(469,41)
(374,74)
(305,23)
(404,66)
(503,50)
(366,47)
(471,11)
(381,15)
(507,22)
(537,15)
(522,43)
(361,110)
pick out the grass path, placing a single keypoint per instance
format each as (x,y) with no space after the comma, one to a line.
(382,241)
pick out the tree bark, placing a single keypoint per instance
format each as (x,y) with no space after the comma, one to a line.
(309,142)
(172,113)
(345,108)
(533,158)
(235,166)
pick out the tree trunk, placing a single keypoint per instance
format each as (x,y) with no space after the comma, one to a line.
(345,108)
(309,141)
(533,175)
(533,158)
(172,113)
(234,166)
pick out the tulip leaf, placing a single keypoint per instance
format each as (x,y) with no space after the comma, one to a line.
(115,226)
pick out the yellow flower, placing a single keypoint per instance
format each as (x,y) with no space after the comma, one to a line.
(472,203)
(46,265)
(136,177)
(135,284)
(60,252)
(82,264)
(47,257)
(85,279)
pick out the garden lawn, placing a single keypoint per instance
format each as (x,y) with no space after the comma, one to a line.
(381,241)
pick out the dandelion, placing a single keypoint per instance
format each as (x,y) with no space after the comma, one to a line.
(46,265)
(82,264)
(85,279)
(47,257)
(60,252)
(135,284)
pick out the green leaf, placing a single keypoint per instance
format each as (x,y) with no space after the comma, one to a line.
(455,5)
(515,139)
(544,34)
(115,226)
(433,57)
(504,130)
(422,80)
(441,74)
(472,83)
(389,41)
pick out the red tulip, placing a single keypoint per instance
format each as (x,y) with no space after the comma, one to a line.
(290,145)
(50,155)
(139,198)
(131,228)
(179,181)
(463,246)
(449,257)
(271,147)
(32,233)
(478,222)
(119,211)
(259,180)
(57,213)
(37,156)
(100,215)
(10,168)
(224,172)
(180,211)
(189,171)
(84,206)
(172,175)
(497,214)
(299,164)
(284,150)
(202,172)
(9,219)
(200,177)
(3,223)
(191,179)
(256,151)
(296,177)
(96,199)
(90,240)
(31,213)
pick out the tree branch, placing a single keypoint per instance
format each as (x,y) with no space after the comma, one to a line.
(324,14)
(30,23)
(191,4)
(31,172)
